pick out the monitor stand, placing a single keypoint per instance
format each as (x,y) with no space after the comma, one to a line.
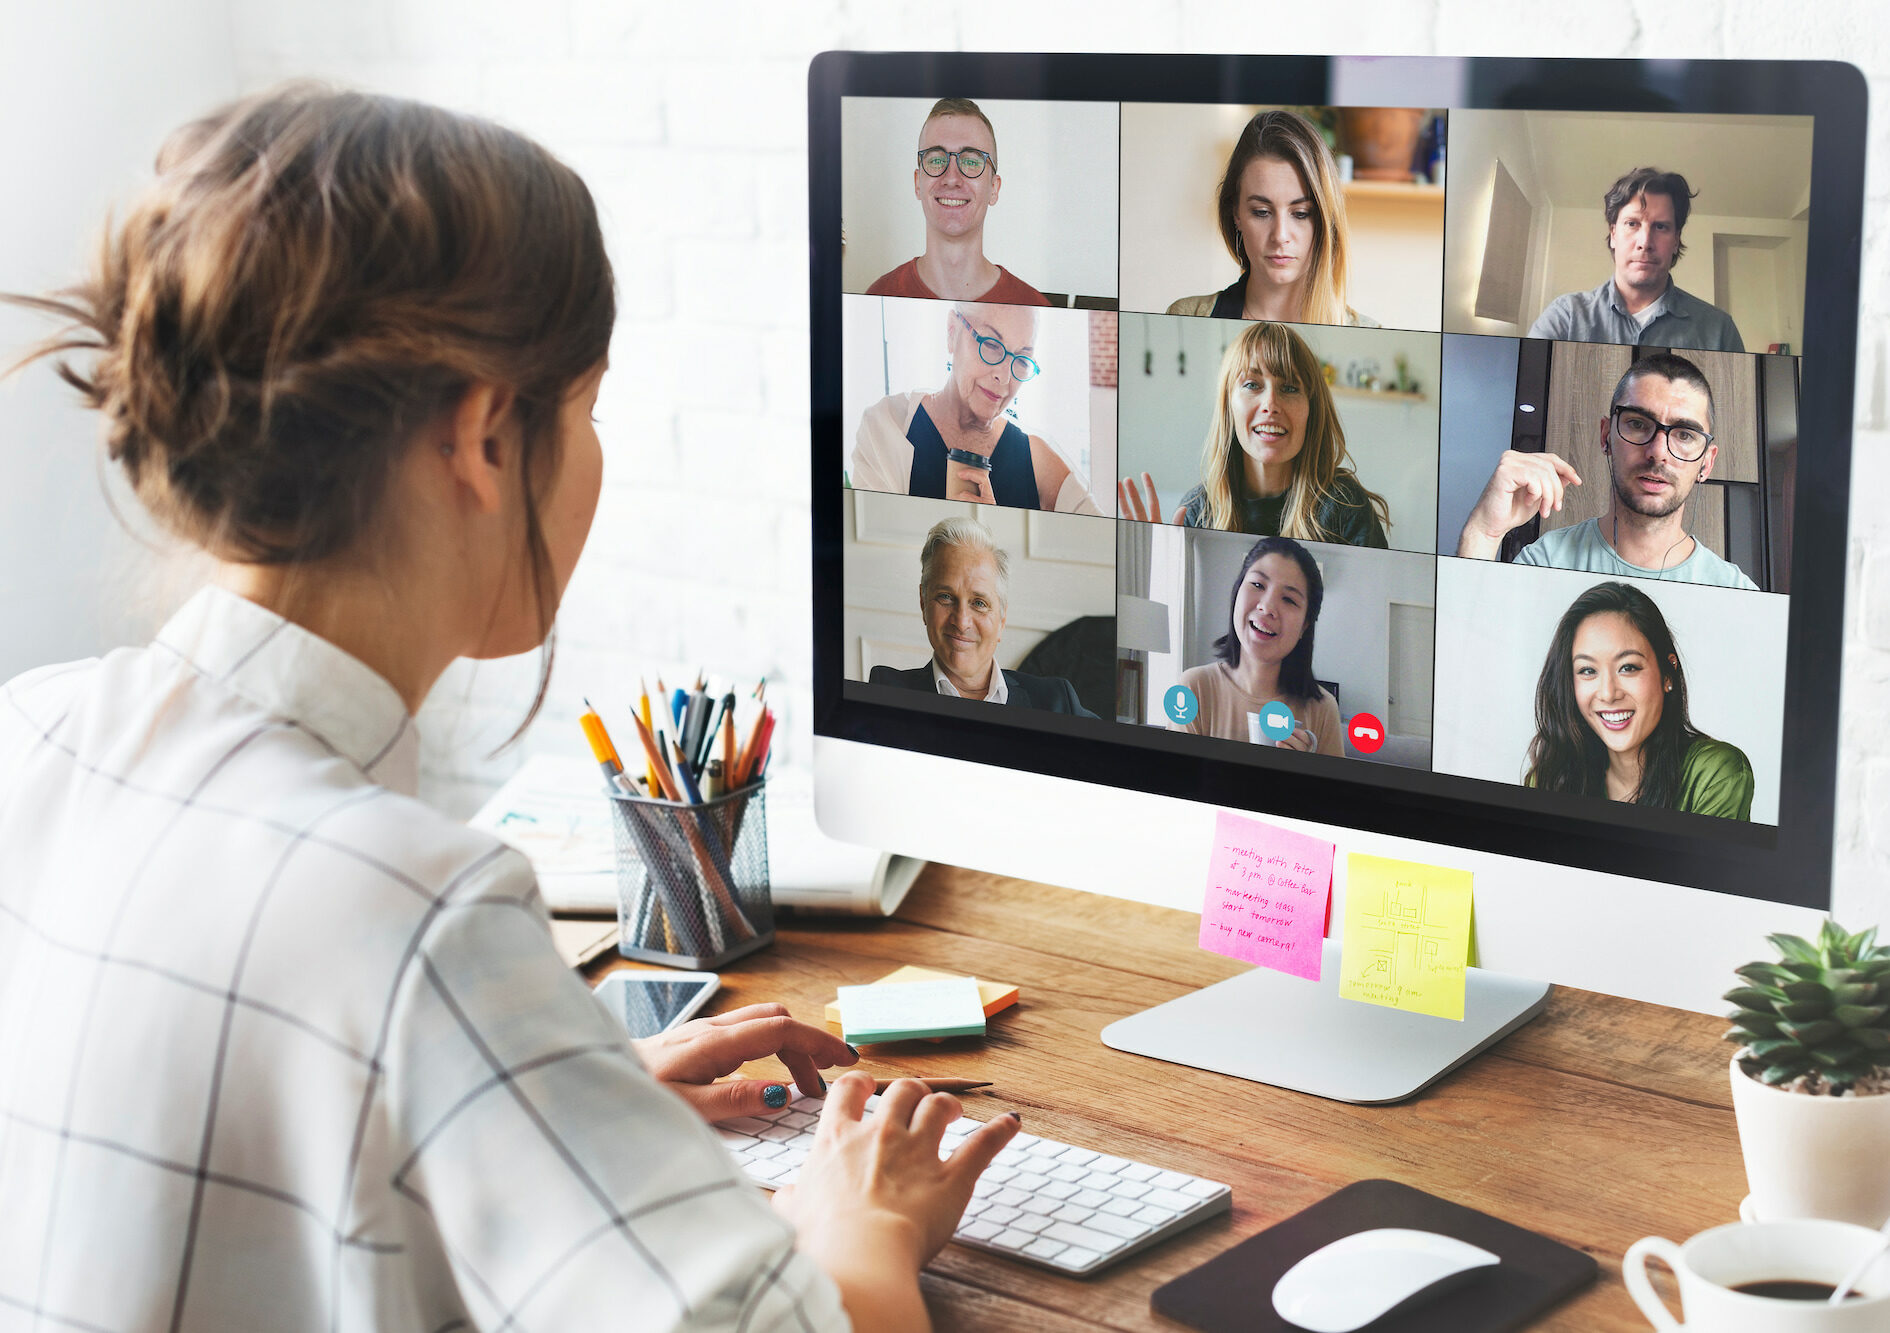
(1273,1028)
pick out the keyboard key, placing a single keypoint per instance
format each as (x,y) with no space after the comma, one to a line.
(1139,1171)
(1114,1225)
(1129,1189)
(1179,1203)
(1076,1259)
(1032,1223)
(1057,1189)
(979,1230)
(1012,1197)
(1041,1203)
(1044,1248)
(1122,1208)
(1001,1174)
(734,1138)
(1154,1216)
(1079,1156)
(1170,1180)
(1089,1198)
(1068,1174)
(768,1170)
(760,1150)
(746,1124)
(1012,1239)
(800,1120)
(1089,1240)
(1000,1214)
(976,1207)
(779,1133)
(1029,1180)
(1107,1163)
(1069,1212)
(1021,1140)
(1203,1189)
(1098,1180)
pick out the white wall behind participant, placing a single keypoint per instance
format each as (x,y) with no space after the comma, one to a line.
(1054,224)
(1494,625)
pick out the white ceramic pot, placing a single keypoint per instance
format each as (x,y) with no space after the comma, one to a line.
(1806,1156)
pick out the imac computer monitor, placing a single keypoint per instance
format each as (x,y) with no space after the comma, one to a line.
(1449,458)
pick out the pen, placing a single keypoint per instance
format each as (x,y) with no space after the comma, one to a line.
(602,749)
(678,705)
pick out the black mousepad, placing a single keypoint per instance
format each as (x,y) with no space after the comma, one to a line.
(1233,1292)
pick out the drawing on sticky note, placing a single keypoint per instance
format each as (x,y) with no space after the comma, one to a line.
(1406,936)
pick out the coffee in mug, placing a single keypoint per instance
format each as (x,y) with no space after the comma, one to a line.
(1765,1277)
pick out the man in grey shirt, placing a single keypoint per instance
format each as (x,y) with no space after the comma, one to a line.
(1646,211)
(1658,439)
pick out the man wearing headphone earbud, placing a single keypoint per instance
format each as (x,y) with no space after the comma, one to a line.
(1658,439)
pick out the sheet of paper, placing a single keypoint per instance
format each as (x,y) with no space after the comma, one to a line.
(902,1010)
(1267,891)
(1407,935)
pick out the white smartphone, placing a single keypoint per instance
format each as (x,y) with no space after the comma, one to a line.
(651,1002)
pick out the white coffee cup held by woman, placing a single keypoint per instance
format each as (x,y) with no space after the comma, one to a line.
(1714,1264)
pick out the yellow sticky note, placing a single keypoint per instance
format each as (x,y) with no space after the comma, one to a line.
(1407,935)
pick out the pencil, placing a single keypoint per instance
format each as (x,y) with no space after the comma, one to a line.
(744,761)
(643,711)
(602,750)
(935,1084)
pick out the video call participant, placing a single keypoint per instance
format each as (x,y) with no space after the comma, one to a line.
(1266,656)
(1658,439)
(1646,212)
(1282,215)
(1275,460)
(906,442)
(1611,714)
(956,183)
(964,597)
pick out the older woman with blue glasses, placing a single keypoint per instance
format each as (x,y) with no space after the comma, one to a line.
(955,442)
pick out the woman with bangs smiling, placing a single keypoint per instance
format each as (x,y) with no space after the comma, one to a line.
(1275,461)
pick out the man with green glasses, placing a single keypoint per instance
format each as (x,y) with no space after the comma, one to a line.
(956,182)
(1658,440)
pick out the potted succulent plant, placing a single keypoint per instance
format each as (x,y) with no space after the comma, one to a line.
(1810,1077)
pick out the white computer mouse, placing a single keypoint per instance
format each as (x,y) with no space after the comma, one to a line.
(1367,1275)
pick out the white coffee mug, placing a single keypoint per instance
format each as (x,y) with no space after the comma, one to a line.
(1714,1262)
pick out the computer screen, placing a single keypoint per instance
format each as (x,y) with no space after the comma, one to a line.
(1453,450)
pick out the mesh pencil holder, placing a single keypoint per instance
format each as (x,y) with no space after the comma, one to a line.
(692,880)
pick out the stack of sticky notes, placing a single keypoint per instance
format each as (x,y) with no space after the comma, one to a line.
(914,1003)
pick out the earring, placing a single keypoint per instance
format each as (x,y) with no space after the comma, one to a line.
(948,365)
(1670,687)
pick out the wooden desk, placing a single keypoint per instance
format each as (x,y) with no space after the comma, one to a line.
(1602,1121)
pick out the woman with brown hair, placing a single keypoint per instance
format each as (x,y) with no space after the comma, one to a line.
(1275,461)
(279,1045)
(1281,209)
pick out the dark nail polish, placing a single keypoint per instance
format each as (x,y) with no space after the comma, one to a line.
(855,1050)
(823,1084)
(1013,1115)
(775,1095)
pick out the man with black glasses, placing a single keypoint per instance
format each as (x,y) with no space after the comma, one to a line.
(956,183)
(1658,439)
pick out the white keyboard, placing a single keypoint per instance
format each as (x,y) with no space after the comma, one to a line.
(1047,1203)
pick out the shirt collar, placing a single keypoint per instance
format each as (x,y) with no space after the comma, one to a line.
(1664,304)
(289,672)
(997,694)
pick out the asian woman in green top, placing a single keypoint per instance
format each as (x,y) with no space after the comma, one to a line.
(1611,714)
(1275,462)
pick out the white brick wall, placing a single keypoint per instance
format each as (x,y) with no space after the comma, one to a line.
(689,122)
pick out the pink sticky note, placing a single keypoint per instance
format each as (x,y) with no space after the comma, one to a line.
(1267,891)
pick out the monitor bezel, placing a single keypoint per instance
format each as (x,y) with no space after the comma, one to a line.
(1795,866)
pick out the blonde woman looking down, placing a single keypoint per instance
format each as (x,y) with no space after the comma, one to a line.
(1275,461)
(1281,209)
(301,1054)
